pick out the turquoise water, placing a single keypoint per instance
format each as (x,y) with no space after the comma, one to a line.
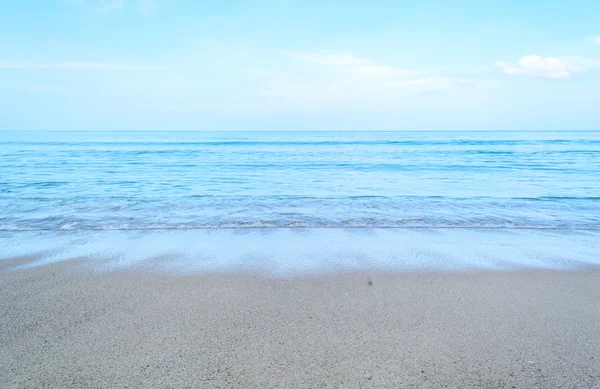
(187,180)
(283,202)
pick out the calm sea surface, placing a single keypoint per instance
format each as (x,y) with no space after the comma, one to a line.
(187,180)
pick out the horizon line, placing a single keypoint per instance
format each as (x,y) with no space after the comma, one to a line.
(167,130)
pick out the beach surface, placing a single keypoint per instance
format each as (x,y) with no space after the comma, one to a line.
(62,327)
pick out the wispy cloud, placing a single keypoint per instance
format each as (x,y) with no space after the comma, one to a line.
(536,66)
(369,76)
(553,68)
(596,40)
(343,80)
(350,64)
(9,64)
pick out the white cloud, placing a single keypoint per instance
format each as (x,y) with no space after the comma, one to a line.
(536,66)
(350,64)
(352,81)
(7,64)
(553,68)
(596,40)
(366,72)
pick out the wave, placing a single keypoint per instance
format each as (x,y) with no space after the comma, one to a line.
(174,182)
(325,198)
(364,223)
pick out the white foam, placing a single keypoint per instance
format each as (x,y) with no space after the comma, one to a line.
(300,251)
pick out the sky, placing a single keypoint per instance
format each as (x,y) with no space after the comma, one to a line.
(299,65)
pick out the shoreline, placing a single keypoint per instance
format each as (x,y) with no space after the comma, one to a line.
(306,251)
(65,327)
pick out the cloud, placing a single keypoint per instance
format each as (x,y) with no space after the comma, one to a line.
(350,64)
(536,66)
(553,68)
(596,40)
(26,65)
(368,73)
(351,80)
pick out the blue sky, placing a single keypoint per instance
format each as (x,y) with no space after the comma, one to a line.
(299,65)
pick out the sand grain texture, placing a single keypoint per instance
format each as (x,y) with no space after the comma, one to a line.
(65,328)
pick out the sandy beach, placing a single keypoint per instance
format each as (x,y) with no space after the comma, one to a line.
(65,328)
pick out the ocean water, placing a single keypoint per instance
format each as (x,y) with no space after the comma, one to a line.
(191,180)
(287,202)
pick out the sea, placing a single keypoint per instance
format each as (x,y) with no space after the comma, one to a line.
(208,199)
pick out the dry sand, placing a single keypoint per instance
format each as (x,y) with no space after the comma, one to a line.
(64,328)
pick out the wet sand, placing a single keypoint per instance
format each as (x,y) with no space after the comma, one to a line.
(61,327)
